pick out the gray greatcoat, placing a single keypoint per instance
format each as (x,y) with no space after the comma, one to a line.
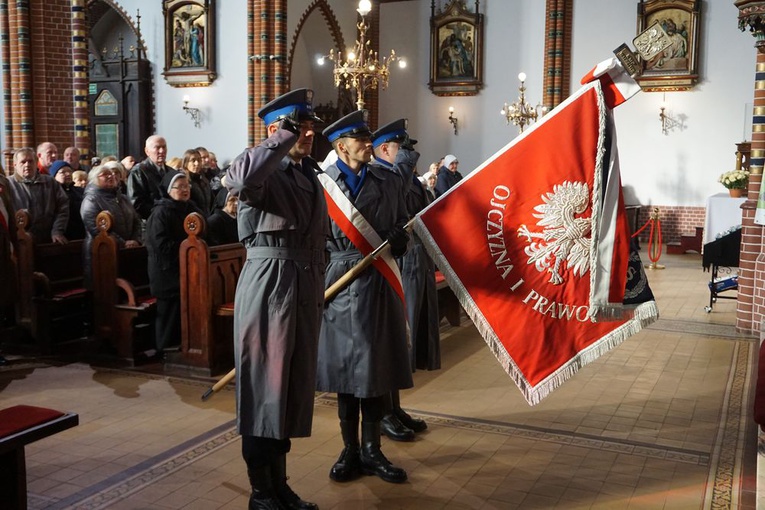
(126,224)
(418,272)
(363,344)
(46,202)
(283,222)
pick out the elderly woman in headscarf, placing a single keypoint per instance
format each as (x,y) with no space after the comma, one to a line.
(221,225)
(103,194)
(429,181)
(164,235)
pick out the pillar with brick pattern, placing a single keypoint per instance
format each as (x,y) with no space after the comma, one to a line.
(80,80)
(750,304)
(558,23)
(267,37)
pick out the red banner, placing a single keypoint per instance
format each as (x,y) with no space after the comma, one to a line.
(535,244)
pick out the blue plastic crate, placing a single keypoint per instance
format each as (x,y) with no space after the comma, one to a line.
(722,284)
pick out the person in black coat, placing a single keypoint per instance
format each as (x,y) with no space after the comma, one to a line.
(164,235)
(62,172)
(221,225)
(201,194)
(103,194)
(448,175)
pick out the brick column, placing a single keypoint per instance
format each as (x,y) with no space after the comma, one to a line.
(80,80)
(21,79)
(750,303)
(372,96)
(279,32)
(5,61)
(253,26)
(557,72)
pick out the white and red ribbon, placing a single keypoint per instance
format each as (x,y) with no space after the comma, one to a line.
(618,86)
(360,232)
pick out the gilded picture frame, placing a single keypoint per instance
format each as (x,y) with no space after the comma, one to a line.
(676,67)
(456,50)
(189,42)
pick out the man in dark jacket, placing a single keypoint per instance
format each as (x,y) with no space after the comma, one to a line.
(448,175)
(394,150)
(8,289)
(363,354)
(280,295)
(143,184)
(41,196)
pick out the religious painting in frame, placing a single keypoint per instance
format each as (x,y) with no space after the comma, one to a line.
(189,42)
(676,67)
(456,49)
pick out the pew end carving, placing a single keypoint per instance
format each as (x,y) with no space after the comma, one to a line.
(208,285)
(54,304)
(124,310)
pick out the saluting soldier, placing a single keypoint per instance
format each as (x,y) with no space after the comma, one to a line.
(362,346)
(283,223)
(394,151)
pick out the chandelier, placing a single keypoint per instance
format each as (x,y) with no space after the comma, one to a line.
(362,69)
(521,113)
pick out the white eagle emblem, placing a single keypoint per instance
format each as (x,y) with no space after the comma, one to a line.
(565,237)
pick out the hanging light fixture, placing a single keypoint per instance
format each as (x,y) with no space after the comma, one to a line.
(520,112)
(362,69)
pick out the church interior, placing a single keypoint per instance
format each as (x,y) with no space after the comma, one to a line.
(668,419)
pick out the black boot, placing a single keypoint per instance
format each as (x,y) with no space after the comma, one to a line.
(373,462)
(286,496)
(392,427)
(348,466)
(263,496)
(416,425)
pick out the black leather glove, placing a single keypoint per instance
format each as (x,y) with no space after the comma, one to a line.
(291,122)
(398,238)
(408,144)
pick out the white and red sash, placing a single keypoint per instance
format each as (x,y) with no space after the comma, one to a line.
(360,232)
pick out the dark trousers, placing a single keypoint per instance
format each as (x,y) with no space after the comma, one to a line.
(348,407)
(168,323)
(258,452)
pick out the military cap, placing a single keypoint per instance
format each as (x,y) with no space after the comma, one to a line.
(394,131)
(353,125)
(300,99)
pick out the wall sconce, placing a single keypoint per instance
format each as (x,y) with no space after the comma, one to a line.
(196,115)
(453,119)
(520,112)
(668,123)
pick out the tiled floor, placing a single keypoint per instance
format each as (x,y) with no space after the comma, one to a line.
(663,421)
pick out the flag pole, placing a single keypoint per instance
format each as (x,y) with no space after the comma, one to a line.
(333,289)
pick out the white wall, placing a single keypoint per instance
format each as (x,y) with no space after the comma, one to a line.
(513,42)
(223,104)
(676,169)
(680,168)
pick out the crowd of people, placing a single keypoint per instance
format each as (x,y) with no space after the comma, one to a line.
(64,196)
(304,228)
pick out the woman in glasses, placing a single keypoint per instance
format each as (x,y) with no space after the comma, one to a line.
(164,235)
(103,194)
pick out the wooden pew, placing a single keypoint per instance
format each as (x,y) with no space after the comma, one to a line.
(53,302)
(448,304)
(123,308)
(208,285)
(19,426)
